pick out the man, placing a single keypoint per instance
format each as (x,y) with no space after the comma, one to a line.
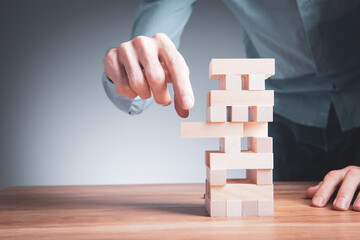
(316,44)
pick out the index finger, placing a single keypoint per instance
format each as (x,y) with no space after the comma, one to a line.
(178,71)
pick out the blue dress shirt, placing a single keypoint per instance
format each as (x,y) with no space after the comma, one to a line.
(316,46)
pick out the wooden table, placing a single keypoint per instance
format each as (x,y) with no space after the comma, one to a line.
(160,212)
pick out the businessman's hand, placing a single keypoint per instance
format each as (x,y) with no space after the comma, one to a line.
(143,67)
(348,179)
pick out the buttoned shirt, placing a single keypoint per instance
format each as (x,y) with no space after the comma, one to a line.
(316,46)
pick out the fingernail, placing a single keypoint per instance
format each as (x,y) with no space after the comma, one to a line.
(187,102)
(341,203)
(318,201)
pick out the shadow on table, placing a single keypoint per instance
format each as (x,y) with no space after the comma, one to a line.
(50,201)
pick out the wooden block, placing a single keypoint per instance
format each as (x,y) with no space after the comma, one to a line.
(239,114)
(211,130)
(234,208)
(242,160)
(260,144)
(250,208)
(230,144)
(216,208)
(216,114)
(261,113)
(240,189)
(230,82)
(266,208)
(255,129)
(227,129)
(220,67)
(240,98)
(260,176)
(216,177)
(253,82)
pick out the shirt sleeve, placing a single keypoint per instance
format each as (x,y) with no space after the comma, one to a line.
(152,16)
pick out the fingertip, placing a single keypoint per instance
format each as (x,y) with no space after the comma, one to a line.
(340,204)
(185,114)
(187,102)
(181,112)
(166,104)
(308,193)
(356,205)
(318,201)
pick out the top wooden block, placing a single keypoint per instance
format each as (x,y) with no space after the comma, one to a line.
(219,67)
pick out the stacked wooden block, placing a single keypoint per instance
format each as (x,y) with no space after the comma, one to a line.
(238,113)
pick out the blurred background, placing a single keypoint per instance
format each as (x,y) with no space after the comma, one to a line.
(57,125)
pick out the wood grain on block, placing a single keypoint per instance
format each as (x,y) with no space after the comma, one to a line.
(266,208)
(216,208)
(255,129)
(260,144)
(260,176)
(219,67)
(211,130)
(234,208)
(216,114)
(241,160)
(261,113)
(240,190)
(253,82)
(230,144)
(230,82)
(239,113)
(216,177)
(250,208)
(240,98)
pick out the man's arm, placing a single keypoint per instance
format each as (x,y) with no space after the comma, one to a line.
(141,68)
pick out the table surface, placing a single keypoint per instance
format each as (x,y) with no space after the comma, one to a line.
(173,211)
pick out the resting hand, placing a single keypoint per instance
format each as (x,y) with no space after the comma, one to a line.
(347,179)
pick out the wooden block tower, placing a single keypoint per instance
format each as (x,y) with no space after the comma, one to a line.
(238,113)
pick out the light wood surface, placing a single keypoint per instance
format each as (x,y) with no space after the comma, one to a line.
(225,129)
(160,212)
(219,67)
(240,98)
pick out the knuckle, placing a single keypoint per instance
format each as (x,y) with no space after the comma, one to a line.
(353,172)
(164,40)
(111,53)
(123,48)
(139,40)
(331,175)
(134,78)
(136,84)
(110,56)
(155,76)
(352,167)
(161,36)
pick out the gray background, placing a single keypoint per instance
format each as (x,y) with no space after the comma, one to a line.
(57,125)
